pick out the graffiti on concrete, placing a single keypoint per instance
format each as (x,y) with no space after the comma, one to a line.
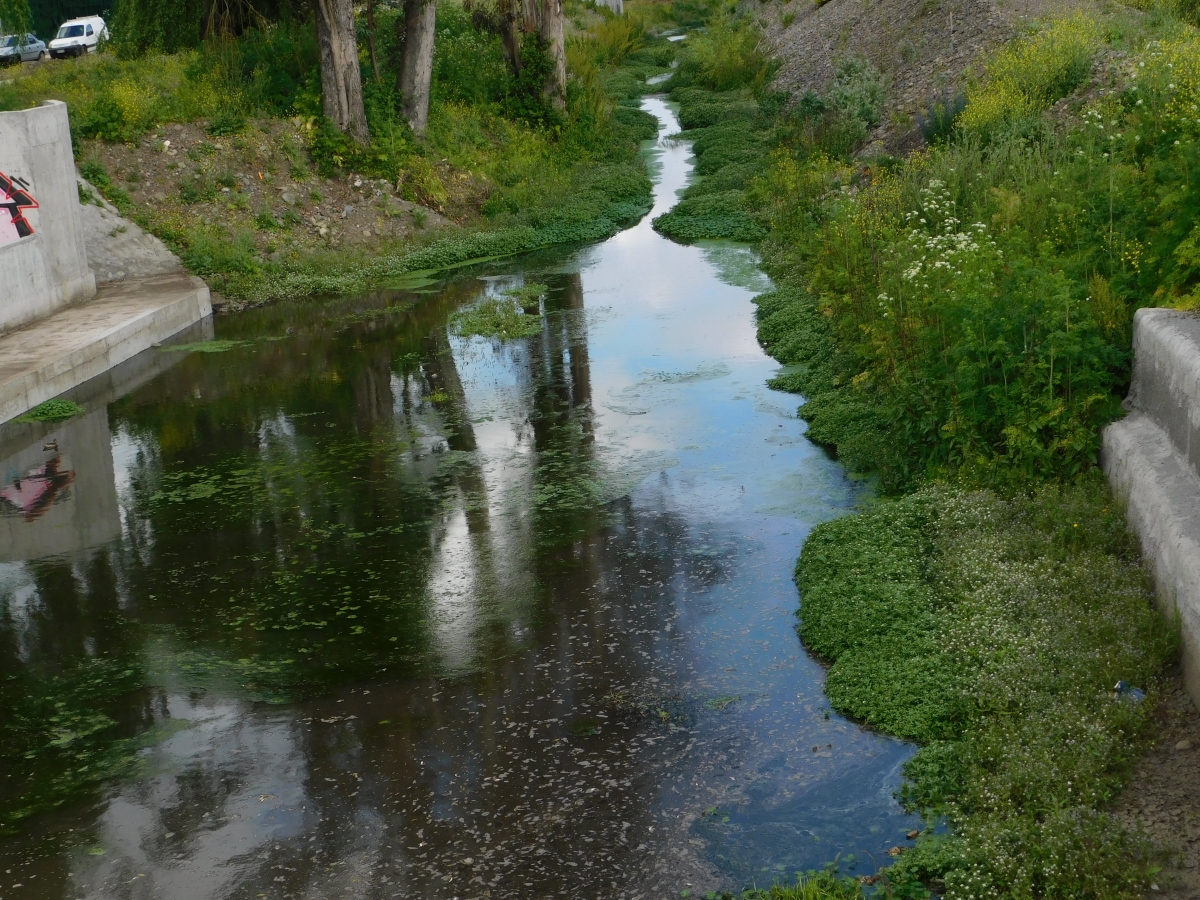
(14,200)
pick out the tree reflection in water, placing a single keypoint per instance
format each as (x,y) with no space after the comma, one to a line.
(396,613)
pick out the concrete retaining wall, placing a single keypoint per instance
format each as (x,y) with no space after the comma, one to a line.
(43,264)
(1152,459)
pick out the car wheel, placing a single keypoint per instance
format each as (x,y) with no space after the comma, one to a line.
(41,55)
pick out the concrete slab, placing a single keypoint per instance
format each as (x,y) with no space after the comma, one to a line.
(58,486)
(42,360)
(1161,494)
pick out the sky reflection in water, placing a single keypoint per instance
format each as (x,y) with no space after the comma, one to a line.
(416,615)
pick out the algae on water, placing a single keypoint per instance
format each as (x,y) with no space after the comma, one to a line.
(218,346)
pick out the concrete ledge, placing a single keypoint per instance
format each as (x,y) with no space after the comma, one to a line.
(1162,497)
(1166,376)
(45,359)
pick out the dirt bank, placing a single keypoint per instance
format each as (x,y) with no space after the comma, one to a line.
(1163,798)
(928,49)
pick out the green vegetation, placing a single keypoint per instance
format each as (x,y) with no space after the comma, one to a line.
(719,88)
(217,346)
(54,410)
(959,323)
(992,631)
(496,317)
(512,174)
(826,885)
(989,341)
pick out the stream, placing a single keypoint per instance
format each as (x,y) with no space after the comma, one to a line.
(399,613)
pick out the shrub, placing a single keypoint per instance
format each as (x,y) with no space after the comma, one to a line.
(1026,77)
(725,56)
(858,90)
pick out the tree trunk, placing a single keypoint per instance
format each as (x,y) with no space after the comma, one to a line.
(530,15)
(510,39)
(551,30)
(371,37)
(416,63)
(341,80)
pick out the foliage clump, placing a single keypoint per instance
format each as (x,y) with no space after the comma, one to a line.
(993,631)
(1024,78)
(496,317)
(981,295)
(55,410)
(725,56)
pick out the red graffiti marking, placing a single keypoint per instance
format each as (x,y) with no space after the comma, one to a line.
(15,197)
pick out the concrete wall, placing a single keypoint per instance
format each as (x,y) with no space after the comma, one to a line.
(1152,458)
(43,264)
(58,486)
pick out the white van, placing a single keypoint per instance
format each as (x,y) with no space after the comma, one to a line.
(78,36)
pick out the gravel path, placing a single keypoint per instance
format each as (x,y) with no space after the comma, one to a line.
(1164,795)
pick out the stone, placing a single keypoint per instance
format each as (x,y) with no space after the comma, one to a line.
(347,210)
(1185,744)
(84,340)
(289,198)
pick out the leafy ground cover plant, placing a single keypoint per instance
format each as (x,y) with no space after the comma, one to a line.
(55,410)
(993,631)
(496,317)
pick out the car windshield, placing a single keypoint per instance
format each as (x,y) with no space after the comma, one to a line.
(7,41)
(70,31)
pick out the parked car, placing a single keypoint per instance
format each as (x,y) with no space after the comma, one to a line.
(78,36)
(18,47)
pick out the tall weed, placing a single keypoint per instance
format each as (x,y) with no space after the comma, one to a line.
(725,56)
(1026,77)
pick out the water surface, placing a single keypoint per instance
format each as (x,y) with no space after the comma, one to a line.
(381,611)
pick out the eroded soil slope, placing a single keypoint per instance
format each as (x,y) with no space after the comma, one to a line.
(926,48)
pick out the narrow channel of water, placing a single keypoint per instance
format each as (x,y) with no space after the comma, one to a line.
(402,614)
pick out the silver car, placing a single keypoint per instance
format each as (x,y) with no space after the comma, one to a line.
(16,47)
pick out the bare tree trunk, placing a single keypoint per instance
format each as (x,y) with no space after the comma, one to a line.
(510,39)
(530,15)
(341,81)
(371,37)
(551,30)
(416,63)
